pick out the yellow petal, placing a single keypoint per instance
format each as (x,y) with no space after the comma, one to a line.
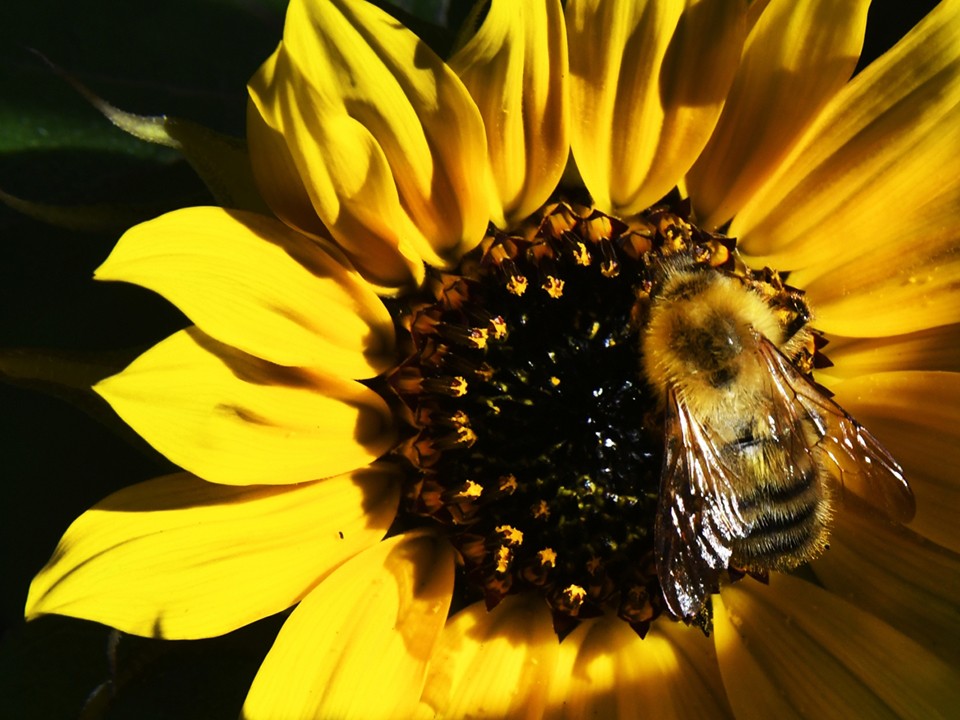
(493,664)
(358,645)
(794,650)
(934,349)
(916,415)
(755,12)
(251,282)
(231,418)
(366,226)
(515,68)
(797,57)
(178,557)
(889,290)
(606,671)
(909,583)
(647,82)
(389,144)
(277,177)
(868,194)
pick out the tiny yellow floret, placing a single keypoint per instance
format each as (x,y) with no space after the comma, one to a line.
(510,534)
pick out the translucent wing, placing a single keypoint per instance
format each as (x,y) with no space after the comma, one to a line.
(863,464)
(697,514)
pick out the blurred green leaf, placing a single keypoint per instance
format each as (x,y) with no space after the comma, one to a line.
(64,668)
(185,58)
(88,218)
(220,161)
(70,376)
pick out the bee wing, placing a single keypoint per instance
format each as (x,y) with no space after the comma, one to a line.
(697,514)
(863,464)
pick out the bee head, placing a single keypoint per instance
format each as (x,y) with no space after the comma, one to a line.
(708,343)
(702,332)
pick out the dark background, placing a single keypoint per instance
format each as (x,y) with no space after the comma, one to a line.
(185,58)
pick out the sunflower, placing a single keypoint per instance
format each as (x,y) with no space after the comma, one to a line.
(411,405)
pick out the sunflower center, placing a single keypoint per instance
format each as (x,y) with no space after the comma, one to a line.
(537,442)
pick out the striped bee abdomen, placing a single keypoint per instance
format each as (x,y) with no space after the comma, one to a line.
(788,513)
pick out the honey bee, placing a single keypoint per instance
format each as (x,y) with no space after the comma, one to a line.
(756,455)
